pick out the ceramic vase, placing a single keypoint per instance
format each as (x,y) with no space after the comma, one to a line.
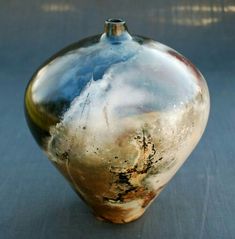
(117,114)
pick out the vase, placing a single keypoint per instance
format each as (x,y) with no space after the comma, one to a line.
(117,114)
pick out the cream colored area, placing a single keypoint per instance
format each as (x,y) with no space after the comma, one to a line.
(175,134)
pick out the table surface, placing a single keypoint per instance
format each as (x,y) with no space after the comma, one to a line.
(35,201)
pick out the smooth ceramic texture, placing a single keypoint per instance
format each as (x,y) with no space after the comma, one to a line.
(117,115)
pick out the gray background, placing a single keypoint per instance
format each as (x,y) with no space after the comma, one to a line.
(35,201)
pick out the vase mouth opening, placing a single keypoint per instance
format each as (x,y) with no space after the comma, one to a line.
(115,21)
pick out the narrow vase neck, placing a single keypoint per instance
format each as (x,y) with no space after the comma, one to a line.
(116,30)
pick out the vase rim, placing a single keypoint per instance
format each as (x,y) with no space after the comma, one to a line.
(115,27)
(115,21)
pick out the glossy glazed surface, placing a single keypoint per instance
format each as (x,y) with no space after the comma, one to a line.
(118,115)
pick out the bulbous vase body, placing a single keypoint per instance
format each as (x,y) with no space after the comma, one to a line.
(117,115)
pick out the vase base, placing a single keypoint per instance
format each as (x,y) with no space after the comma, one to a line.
(118,215)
